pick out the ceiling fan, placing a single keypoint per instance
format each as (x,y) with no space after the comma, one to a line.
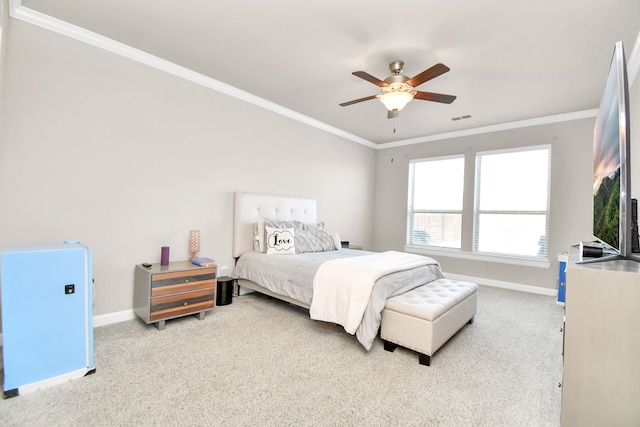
(398,89)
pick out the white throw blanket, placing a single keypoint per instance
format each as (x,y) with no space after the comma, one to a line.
(342,287)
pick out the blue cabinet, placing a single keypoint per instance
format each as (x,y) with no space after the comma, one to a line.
(562,276)
(47,315)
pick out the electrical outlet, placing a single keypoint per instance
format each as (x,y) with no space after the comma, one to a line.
(223,270)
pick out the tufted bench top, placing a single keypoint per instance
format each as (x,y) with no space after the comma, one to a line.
(431,300)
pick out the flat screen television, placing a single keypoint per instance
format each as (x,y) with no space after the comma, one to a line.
(612,222)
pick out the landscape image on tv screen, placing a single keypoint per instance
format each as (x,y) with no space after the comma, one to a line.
(606,210)
(606,173)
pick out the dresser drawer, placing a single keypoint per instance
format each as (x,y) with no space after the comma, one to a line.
(182,281)
(176,305)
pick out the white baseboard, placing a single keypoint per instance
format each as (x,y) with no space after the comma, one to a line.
(109,318)
(121,316)
(106,319)
(60,379)
(505,285)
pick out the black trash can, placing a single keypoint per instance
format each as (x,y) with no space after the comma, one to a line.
(224,290)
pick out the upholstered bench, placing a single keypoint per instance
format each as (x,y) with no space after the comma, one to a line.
(424,318)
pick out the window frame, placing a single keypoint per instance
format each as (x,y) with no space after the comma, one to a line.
(410,201)
(468,223)
(477,212)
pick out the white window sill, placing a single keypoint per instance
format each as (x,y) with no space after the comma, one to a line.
(457,253)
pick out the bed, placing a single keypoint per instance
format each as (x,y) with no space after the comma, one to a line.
(317,280)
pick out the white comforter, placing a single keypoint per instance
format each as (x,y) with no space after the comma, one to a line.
(293,275)
(342,288)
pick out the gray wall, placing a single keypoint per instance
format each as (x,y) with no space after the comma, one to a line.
(571,189)
(126,158)
(571,178)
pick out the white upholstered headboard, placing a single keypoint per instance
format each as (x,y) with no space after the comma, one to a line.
(248,208)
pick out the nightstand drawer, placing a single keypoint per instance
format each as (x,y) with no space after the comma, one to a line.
(182,281)
(177,305)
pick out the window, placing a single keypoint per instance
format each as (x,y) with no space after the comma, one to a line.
(512,202)
(435,202)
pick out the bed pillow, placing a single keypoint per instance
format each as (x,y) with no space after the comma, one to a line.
(336,240)
(313,241)
(280,241)
(313,226)
(298,225)
(308,237)
(258,236)
(277,223)
(259,230)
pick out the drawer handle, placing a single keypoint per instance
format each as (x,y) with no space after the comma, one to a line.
(185,303)
(186,280)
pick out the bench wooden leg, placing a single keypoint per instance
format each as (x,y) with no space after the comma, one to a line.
(424,359)
(389,346)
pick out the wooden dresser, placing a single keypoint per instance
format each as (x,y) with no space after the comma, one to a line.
(601,379)
(163,292)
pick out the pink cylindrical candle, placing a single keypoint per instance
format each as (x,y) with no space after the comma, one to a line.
(194,242)
(164,256)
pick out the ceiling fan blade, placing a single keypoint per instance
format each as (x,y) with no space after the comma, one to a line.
(428,74)
(436,97)
(355,101)
(368,77)
(392,114)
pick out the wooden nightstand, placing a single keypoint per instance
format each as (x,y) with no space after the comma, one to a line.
(163,292)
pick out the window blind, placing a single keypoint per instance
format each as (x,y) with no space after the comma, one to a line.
(436,187)
(511,214)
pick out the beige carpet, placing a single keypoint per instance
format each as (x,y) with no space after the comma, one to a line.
(262,362)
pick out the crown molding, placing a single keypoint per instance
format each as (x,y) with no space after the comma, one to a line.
(17,11)
(50,23)
(494,128)
(633,66)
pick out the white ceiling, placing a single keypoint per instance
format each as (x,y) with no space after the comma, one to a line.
(510,60)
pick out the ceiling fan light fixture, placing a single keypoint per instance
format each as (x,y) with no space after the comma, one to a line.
(398,89)
(396,100)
